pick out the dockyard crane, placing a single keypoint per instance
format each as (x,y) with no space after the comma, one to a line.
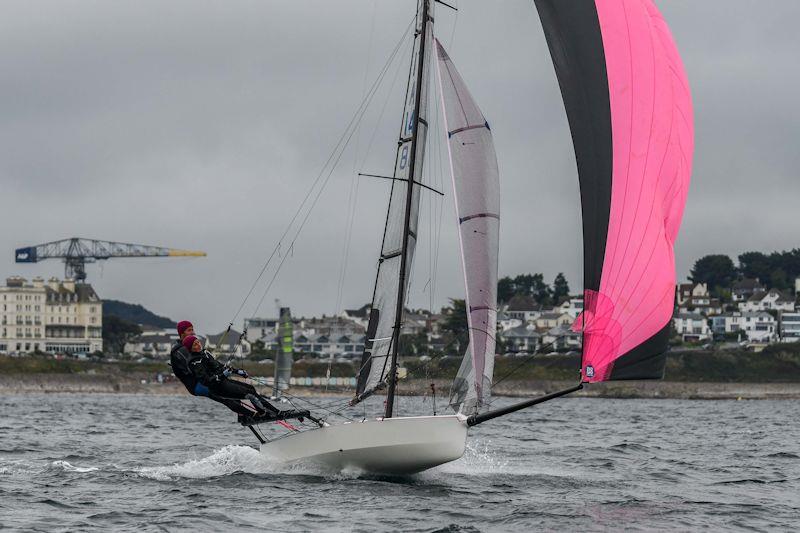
(76,252)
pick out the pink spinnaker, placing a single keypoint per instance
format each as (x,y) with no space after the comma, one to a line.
(653,140)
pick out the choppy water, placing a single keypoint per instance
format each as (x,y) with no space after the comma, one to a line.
(84,462)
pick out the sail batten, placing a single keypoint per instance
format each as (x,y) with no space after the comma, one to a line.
(630,114)
(475,177)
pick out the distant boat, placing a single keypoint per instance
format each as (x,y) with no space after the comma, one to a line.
(284,358)
(629,108)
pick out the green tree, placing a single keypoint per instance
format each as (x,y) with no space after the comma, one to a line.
(560,289)
(505,289)
(455,324)
(416,344)
(717,271)
(779,280)
(755,265)
(117,331)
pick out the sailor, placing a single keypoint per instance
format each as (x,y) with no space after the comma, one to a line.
(209,378)
(179,361)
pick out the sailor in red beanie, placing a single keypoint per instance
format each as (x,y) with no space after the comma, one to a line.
(185,328)
(203,375)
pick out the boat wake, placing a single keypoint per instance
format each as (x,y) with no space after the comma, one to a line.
(233,459)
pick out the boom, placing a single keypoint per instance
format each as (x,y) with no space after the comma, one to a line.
(76,252)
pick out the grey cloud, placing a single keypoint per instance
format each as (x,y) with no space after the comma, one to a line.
(201,125)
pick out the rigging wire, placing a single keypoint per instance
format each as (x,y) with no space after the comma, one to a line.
(336,158)
(528,359)
(343,138)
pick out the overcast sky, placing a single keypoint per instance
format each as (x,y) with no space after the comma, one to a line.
(201,125)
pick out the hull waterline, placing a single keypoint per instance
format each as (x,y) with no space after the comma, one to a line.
(403,445)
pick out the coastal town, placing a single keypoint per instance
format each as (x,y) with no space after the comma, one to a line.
(65,318)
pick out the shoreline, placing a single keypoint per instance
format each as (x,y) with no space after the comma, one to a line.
(116,384)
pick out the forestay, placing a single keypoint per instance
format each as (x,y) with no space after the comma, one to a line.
(630,113)
(476,189)
(375,361)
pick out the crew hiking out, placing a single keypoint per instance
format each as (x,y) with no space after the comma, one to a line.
(203,375)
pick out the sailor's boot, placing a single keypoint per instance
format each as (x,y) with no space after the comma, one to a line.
(256,401)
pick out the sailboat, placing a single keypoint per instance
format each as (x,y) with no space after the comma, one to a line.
(629,109)
(285,355)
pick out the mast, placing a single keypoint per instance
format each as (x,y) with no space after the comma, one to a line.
(401,289)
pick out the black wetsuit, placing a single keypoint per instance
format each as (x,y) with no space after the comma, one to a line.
(179,358)
(203,376)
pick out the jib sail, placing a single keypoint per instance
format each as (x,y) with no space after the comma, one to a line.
(476,188)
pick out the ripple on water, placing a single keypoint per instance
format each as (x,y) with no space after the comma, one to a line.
(572,464)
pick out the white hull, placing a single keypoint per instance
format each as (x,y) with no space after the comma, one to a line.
(402,445)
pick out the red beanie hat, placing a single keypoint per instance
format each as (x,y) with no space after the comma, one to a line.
(188,341)
(183,325)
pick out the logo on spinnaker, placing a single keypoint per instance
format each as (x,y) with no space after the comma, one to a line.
(589,371)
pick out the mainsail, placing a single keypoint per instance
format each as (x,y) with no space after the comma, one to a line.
(630,113)
(476,187)
(285,356)
(400,233)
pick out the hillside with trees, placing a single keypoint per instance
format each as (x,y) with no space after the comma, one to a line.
(776,270)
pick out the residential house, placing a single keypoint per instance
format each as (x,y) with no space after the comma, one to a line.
(523,308)
(151,343)
(553,319)
(688,291)
(228,343)
(758,326)
(257,328)
(695,298)
(562,338)
(573,307)
(772,300)
(522,339)
(790,327)
(743,289)
(360,316)
(323,345)
(692,326)
(505,322)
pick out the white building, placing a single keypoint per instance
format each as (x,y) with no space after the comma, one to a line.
(766,301)
(745,288)
(522,339)
(687,291)
(505,322)
(153,344)
(692,326)
(53,316)
(756,326)
(322,345)
(562,338)
(523,308)
(228,343)
(360,316)
(790,327)
(260,327)
(573,307)
(550,320)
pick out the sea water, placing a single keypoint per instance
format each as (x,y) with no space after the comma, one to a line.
(156,463)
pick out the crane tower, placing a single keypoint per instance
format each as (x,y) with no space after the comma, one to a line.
(76,252)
